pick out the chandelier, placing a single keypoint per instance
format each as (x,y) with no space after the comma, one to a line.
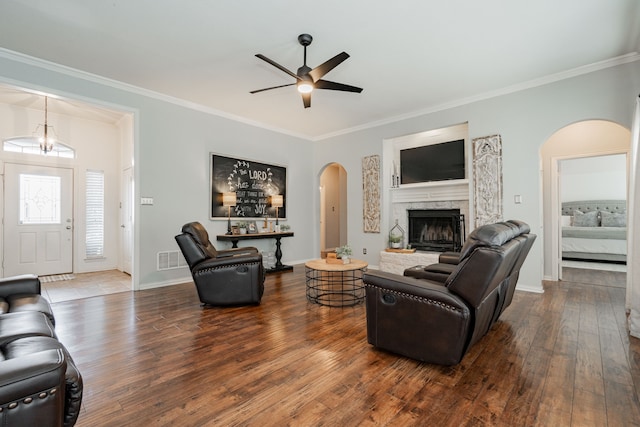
(45,134)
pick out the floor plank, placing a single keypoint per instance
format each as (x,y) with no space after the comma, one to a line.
(157,358)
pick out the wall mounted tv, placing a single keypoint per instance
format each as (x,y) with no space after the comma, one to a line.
(435,162)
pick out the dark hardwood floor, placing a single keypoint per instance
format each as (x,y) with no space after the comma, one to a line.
(156,358)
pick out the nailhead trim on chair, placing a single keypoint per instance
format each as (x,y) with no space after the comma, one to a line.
(28,400)
(225,266)
(417,298)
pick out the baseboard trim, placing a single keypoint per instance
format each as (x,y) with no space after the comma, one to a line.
(529,288)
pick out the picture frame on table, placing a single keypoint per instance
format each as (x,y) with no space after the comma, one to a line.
(252,228)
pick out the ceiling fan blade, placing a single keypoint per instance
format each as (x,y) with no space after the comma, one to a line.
(322,69)
(278,66)
(324,84)
(269,88)
(306,100)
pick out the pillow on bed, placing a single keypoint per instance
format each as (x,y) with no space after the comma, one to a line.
(613,219)
(589,219)
(565,221)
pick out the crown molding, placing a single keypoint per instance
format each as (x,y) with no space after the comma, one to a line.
(72,72)
(552,78)
(116,84)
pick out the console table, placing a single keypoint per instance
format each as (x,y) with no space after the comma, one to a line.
(235,238)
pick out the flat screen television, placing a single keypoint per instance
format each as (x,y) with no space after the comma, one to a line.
(436,162)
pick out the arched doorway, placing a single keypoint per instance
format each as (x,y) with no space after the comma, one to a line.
(333,207)
(590,138)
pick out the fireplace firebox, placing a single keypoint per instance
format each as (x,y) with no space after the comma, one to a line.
(437,230)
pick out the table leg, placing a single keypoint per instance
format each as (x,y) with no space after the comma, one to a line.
(279,265)
(278,254)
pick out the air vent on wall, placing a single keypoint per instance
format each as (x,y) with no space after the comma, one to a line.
(169,260)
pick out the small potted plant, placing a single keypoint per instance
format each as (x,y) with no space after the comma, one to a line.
(242,225)
(344,253)
(395,241)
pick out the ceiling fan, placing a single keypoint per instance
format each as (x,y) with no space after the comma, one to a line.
(309,79)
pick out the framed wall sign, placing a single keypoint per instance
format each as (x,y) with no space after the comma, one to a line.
(253,182)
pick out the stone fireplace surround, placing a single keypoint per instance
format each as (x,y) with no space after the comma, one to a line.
(442,195)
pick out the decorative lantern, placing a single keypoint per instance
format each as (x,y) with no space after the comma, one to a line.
(396,237)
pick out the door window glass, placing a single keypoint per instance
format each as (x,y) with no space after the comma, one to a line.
(31,145)
(40,199)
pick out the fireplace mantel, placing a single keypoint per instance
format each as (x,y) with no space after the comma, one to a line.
(431,192)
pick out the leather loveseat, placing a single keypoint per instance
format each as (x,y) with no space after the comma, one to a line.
(39,382)
(225,277)
(438,321)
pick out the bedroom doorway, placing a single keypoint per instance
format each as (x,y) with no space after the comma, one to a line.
(591,138)
(593,189)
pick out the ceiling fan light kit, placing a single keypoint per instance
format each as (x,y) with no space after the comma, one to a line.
(305,85)
(308,79)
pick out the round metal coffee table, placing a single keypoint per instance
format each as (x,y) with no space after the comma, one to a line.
(335,285)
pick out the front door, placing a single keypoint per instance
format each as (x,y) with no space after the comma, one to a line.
(38,220)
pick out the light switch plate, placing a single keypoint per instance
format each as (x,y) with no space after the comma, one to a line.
(146,200)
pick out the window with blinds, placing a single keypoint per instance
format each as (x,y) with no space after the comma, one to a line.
(94,244)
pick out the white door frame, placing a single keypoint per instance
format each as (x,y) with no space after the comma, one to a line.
(126,221)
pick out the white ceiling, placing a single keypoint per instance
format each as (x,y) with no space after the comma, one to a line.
(410,56)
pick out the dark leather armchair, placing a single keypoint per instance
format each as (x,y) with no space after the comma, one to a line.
(225,277)
(438,322)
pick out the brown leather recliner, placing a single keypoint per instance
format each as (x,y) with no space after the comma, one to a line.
(447,261)
(225,277)
(438,322)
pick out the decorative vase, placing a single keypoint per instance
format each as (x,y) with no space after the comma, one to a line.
(243,231)
(346,260)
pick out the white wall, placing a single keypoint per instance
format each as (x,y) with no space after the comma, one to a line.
(594,178)
(171,156)
(524,119)
(173,143)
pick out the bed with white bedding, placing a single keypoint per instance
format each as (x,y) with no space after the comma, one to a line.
(594,230)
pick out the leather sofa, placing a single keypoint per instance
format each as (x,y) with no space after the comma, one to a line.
(23,293)
(40,384)
(438,321)
(225,277)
